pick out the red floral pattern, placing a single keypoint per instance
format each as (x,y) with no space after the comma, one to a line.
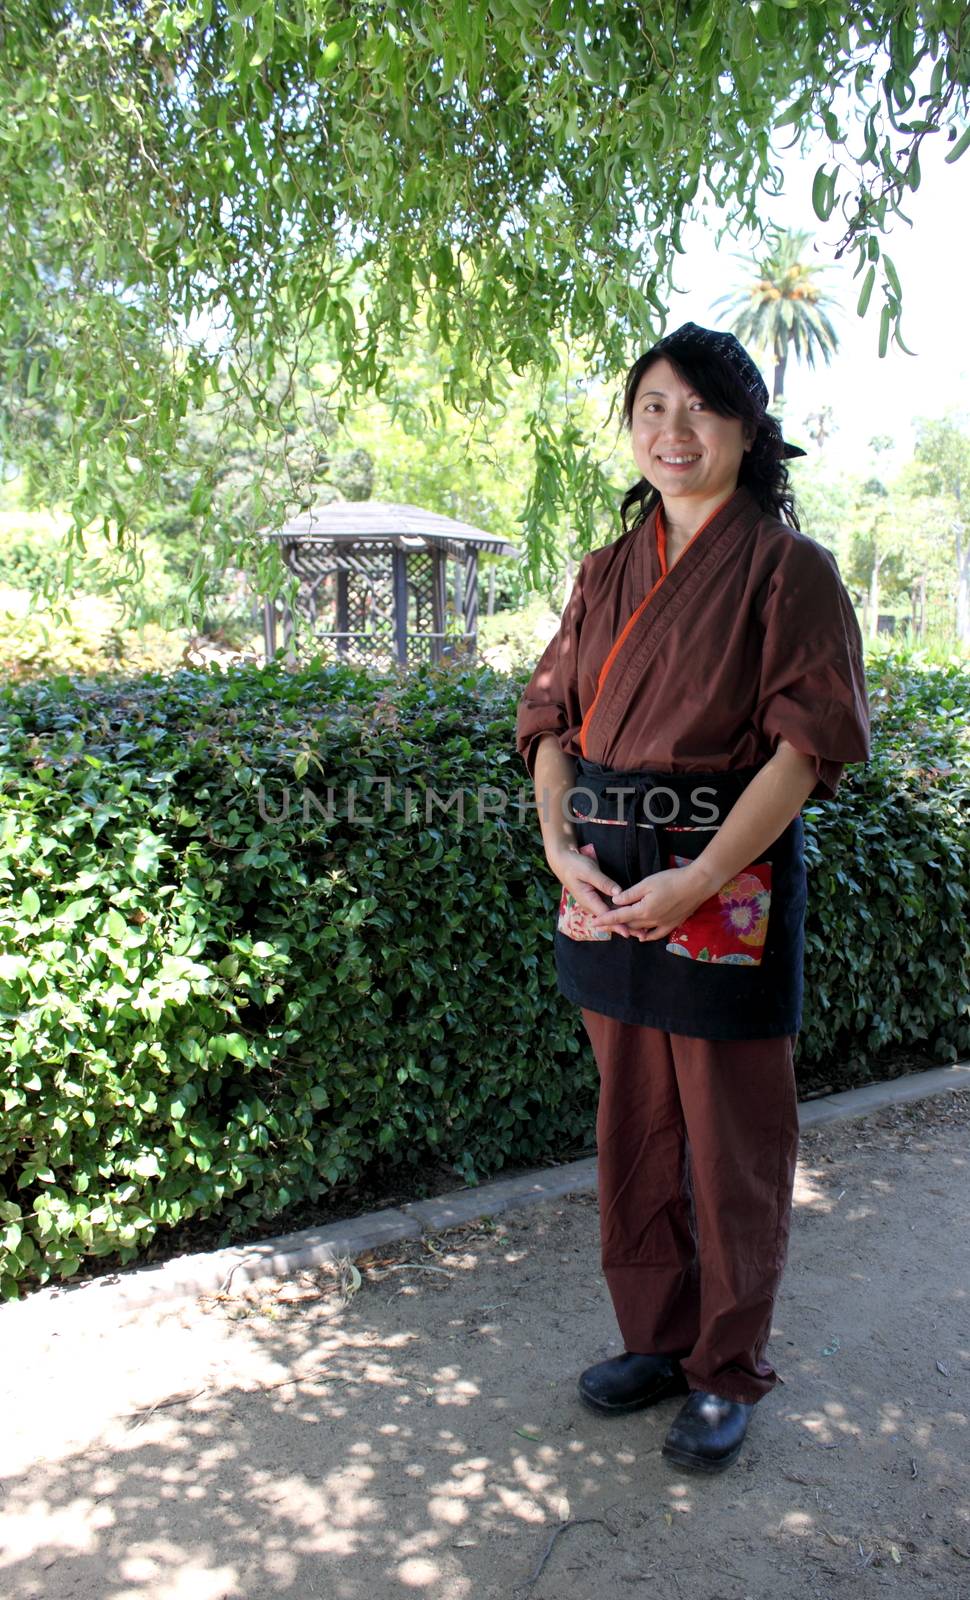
(731,925)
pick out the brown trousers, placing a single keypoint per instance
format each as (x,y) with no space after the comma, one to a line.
(697,1141)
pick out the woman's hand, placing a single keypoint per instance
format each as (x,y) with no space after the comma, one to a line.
(590,887)
(652,908)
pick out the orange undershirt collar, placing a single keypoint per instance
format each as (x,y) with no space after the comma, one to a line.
(662,531)
(631,622)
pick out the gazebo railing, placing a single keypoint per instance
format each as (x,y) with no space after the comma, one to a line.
(367,646)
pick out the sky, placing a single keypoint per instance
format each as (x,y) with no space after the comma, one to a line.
(869,396)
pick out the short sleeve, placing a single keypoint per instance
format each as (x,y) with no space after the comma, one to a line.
(550,702)
(813,684)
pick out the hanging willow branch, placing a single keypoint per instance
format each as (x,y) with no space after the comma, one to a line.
(201,200)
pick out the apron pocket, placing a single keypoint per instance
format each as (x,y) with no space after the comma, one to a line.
(730,926)
(574,920)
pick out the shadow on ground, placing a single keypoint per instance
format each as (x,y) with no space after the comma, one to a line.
(419,1434)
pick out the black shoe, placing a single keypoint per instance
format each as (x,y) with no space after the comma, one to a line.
(630,1382)
(707,1433)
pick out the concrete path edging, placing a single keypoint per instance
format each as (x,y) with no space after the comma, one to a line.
(217,1270)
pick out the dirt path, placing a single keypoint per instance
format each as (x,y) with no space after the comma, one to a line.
(420,1434)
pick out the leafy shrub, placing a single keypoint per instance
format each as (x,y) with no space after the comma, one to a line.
(32,555)
(512,641)
(219,999)
(887,958)
(90,640)
(94,637)
(209,1011)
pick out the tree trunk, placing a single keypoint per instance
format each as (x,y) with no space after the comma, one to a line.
(917,595)
(781,362)
(874,597)
(963,584)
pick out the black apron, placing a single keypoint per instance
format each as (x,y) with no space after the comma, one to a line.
(734,969)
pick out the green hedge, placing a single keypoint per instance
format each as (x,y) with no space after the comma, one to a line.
(887,958)
(213,1009)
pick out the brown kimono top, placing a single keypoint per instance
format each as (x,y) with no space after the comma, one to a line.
(750,637)
(656,674)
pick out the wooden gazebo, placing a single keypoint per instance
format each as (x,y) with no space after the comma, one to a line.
(382,582)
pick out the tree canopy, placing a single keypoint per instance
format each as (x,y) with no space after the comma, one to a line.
(194,194)
(782,309)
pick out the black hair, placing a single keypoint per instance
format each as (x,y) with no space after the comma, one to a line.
(763,471)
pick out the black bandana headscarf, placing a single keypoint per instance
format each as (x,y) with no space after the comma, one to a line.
(730,350)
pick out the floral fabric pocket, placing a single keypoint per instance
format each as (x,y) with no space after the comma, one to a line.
(729,926)
(574,919)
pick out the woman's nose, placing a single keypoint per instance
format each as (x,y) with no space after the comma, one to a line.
(678,424)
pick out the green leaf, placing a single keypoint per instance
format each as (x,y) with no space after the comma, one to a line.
(866,291)
(892,275)
(899,340)
(885,325)
(823,194)
(962,144)
(200,499)
(76,910)
(266,28)
(146,857)
(588,59)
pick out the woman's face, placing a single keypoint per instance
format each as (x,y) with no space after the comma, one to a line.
(682,447)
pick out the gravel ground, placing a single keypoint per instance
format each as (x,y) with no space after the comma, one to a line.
(408,1424)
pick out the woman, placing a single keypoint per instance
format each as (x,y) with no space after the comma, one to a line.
(706,680)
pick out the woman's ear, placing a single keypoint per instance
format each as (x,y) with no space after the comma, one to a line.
(749,436)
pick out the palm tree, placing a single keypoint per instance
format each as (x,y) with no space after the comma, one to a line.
(782,310)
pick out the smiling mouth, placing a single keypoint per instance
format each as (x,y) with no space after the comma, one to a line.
(679,461)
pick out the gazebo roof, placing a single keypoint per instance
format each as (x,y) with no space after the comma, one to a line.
(378,522)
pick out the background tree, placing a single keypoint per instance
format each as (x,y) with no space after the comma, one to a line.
(309,459)
(879,553)
(932,556)
(821,424)
(410,447)
(903,546)
(192,192)
(783,310)
(825,500)
(878,548)
(943,449)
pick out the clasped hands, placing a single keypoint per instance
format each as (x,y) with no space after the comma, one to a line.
(650,909)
